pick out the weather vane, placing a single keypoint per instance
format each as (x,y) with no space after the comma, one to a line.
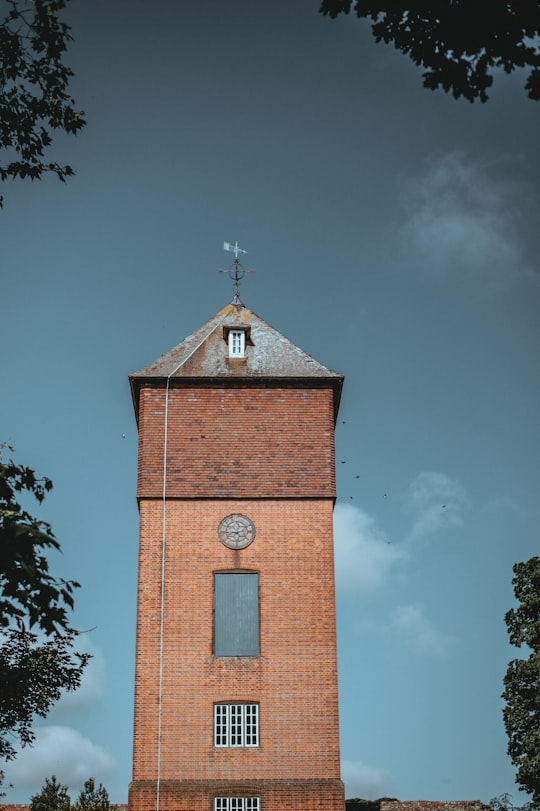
(236,271)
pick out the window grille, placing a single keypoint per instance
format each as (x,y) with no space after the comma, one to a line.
(236,725)
(237,804)
(237,342)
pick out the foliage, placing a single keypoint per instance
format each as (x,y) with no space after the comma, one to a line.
(358,804)
(522,680)
(37,660)
(504,803)
(52,797)
(92,798)
(33,676)
(458,42)
(33,87)
(29,594)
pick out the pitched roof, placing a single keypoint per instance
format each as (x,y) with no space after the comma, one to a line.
(204,355)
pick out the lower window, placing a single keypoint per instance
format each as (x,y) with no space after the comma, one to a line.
(236,725)
(237,804)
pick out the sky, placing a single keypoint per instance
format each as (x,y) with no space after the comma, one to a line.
(394,233)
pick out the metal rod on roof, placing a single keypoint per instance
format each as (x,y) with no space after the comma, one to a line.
(237,271)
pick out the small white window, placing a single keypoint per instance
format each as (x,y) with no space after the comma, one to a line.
(236,725)
(237,804)
(237,343)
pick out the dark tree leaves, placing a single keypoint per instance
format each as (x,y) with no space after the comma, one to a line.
(33,675)
(92,798)
(522,680)
(52,797)
(457,42)
(504,803)
(37,660)
(33,87)
(29,594)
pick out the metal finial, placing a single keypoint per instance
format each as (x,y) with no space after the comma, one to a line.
(236,271)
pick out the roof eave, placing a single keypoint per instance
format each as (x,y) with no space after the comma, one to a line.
(336,381)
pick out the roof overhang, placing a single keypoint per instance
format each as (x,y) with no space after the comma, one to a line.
(335,382)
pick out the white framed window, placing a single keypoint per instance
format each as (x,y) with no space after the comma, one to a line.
(236,725)
(237,343)
(237,804)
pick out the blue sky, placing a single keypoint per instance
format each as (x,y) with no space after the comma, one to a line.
(394,233)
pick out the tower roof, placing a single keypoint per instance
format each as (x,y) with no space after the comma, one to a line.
(204,355)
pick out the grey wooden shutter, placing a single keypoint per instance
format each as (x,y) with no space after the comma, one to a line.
(236,614)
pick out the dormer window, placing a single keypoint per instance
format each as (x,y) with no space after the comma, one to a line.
(237,343)
(237,338)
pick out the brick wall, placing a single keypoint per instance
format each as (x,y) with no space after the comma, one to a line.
(315,795)
(265,451)
(294,679)
(249,441)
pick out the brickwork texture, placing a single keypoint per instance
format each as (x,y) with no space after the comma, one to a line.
(265,451)
(246,440)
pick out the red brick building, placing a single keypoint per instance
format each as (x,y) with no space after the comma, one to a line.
(236,705)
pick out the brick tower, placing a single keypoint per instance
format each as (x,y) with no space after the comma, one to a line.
(236,705)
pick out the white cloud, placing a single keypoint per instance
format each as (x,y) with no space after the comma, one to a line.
(464,217)
(419,634)
(64,752)
(91,690)
(363,554)
(437,503)
(506,505)
(364,781)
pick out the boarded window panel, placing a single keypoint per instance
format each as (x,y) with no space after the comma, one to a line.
(236,614)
